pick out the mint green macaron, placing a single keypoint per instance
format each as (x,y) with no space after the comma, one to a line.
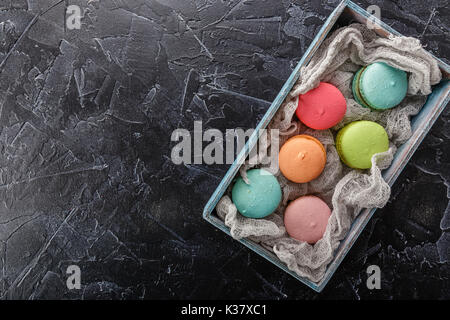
(379,86)
(259,198)
(358,141)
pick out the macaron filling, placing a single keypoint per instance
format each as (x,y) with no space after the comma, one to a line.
(360,94)
(355,89)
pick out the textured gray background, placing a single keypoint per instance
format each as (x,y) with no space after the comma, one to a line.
(85,170)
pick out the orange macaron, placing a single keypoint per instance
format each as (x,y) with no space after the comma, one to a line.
(302,158)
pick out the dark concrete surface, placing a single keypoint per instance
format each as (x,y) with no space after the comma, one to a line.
(85,171)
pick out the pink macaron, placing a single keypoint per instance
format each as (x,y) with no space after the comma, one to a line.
(306,218)
(322,107)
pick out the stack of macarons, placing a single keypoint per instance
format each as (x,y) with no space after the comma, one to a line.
(302,158)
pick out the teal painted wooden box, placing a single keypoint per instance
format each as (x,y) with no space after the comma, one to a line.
(345,13)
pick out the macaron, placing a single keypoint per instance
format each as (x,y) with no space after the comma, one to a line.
(302,158)
(306,218)
(260,197)
(322,107)
(379,86)
(358,141)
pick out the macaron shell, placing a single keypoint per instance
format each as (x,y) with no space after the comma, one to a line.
(322,107)
(358,141)
(382,86)
(302,158)
(259,198)
(306,218)
(355,88)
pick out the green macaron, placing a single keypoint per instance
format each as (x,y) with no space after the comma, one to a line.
(358,141)
(379,86)
(260,197)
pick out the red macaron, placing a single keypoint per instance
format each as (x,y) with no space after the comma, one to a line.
(322,107)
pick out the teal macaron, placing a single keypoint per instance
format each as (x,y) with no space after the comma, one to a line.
(379,86)
(260,197)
